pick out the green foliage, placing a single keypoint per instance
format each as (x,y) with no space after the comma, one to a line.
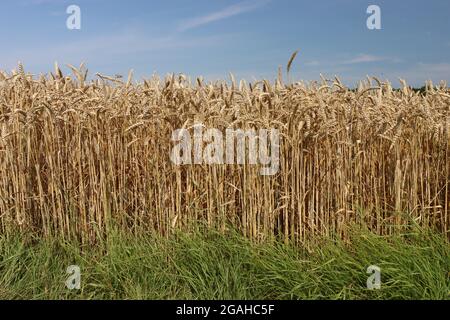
(210,265)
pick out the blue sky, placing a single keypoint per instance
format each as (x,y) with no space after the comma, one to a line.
(249,38)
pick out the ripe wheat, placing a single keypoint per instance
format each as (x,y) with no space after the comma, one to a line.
(79,157)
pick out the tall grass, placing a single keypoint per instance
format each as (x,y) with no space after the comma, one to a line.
(206,264)
(79,157)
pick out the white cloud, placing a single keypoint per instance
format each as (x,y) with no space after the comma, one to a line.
(435,67)
(421,72)
(313,63)
(363,58)
(359,59)
(93,50)
(416,74)
(225,13)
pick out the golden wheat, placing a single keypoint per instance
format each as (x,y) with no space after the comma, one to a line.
(78,158)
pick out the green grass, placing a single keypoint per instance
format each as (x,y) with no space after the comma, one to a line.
(208,265)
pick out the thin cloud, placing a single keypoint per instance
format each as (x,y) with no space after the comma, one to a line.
(364,58)
(313,63)
(43,2)
(359,59)
(417,74)
(93,49)
(441,68)
(225,13)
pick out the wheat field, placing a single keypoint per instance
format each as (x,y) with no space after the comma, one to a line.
(79,157)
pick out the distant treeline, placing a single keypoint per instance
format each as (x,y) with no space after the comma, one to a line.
(422,89)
